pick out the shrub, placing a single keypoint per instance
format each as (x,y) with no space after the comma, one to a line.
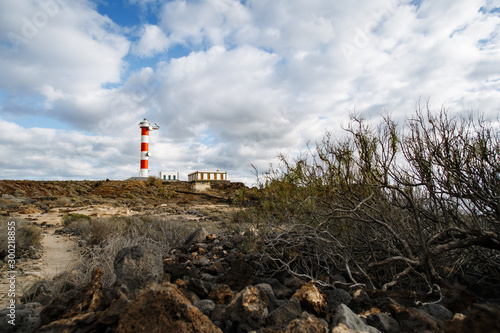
(386,206)
(26,235)
(72,218)
(118,232)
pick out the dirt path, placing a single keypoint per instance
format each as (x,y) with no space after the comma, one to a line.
(58,256)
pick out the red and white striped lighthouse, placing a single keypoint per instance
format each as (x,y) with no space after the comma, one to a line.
(145,126)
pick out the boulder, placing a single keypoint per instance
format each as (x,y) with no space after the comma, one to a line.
(164,309)
(179,270)
(439,312)
(266,289)
(456,297)
(279,290)
(345,316)
(27,319)
(412,319)
(197,236)
(221,294)
(360,300)
(337,296)
(249,307)
(293,283)
(206,306)
(215,268)
(481,318)
(239,275)
(138,266)
(383,322)
(283,315)
(200,287)
(88,299)
(307,323)
(312,299)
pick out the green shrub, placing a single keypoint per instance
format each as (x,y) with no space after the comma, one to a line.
(70,218)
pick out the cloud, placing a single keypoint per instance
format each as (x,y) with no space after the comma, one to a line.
(65,54)
(60,154)
(153,41)
(257,77)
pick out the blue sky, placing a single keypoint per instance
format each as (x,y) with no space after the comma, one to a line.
(231,83)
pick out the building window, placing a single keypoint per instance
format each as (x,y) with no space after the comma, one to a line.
(174,177)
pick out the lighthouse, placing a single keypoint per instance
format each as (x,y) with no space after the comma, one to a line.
(145,126)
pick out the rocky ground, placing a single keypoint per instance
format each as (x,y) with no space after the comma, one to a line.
(210,285)
(212,282)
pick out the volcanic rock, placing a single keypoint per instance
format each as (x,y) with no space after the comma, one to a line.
(312,299)
(164,310)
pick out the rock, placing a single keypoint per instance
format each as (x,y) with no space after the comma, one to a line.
(41,292)
(200,287)
(206,306)
(238,276)
(279,290)
(439,312)
(267,290)
(481,318)
(203,261)
(383,323)
(283,315)
(178,271)
(164,310)
(98,321)
(27,319)
(221,294)
(411,319)
(293,283)
(248,307)
(345,316)
(337,296)
(197,236)
(88,299)
(360,301)
(312,299)
(215,268)
(456,297)
(307,324)
(138,266)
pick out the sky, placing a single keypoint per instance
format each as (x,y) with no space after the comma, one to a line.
(230,83)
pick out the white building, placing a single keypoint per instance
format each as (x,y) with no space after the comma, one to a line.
(172,176)
(207,176)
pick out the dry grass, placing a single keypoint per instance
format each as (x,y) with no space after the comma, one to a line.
(26,235)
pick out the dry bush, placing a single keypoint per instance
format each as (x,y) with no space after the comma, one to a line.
(389,207)
(26,235)
(116,233)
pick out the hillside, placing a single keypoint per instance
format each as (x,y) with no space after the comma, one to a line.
(25,196)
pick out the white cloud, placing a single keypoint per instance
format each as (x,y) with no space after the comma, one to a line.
(58,154)
(262,76)
(74,49)
(153,41)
